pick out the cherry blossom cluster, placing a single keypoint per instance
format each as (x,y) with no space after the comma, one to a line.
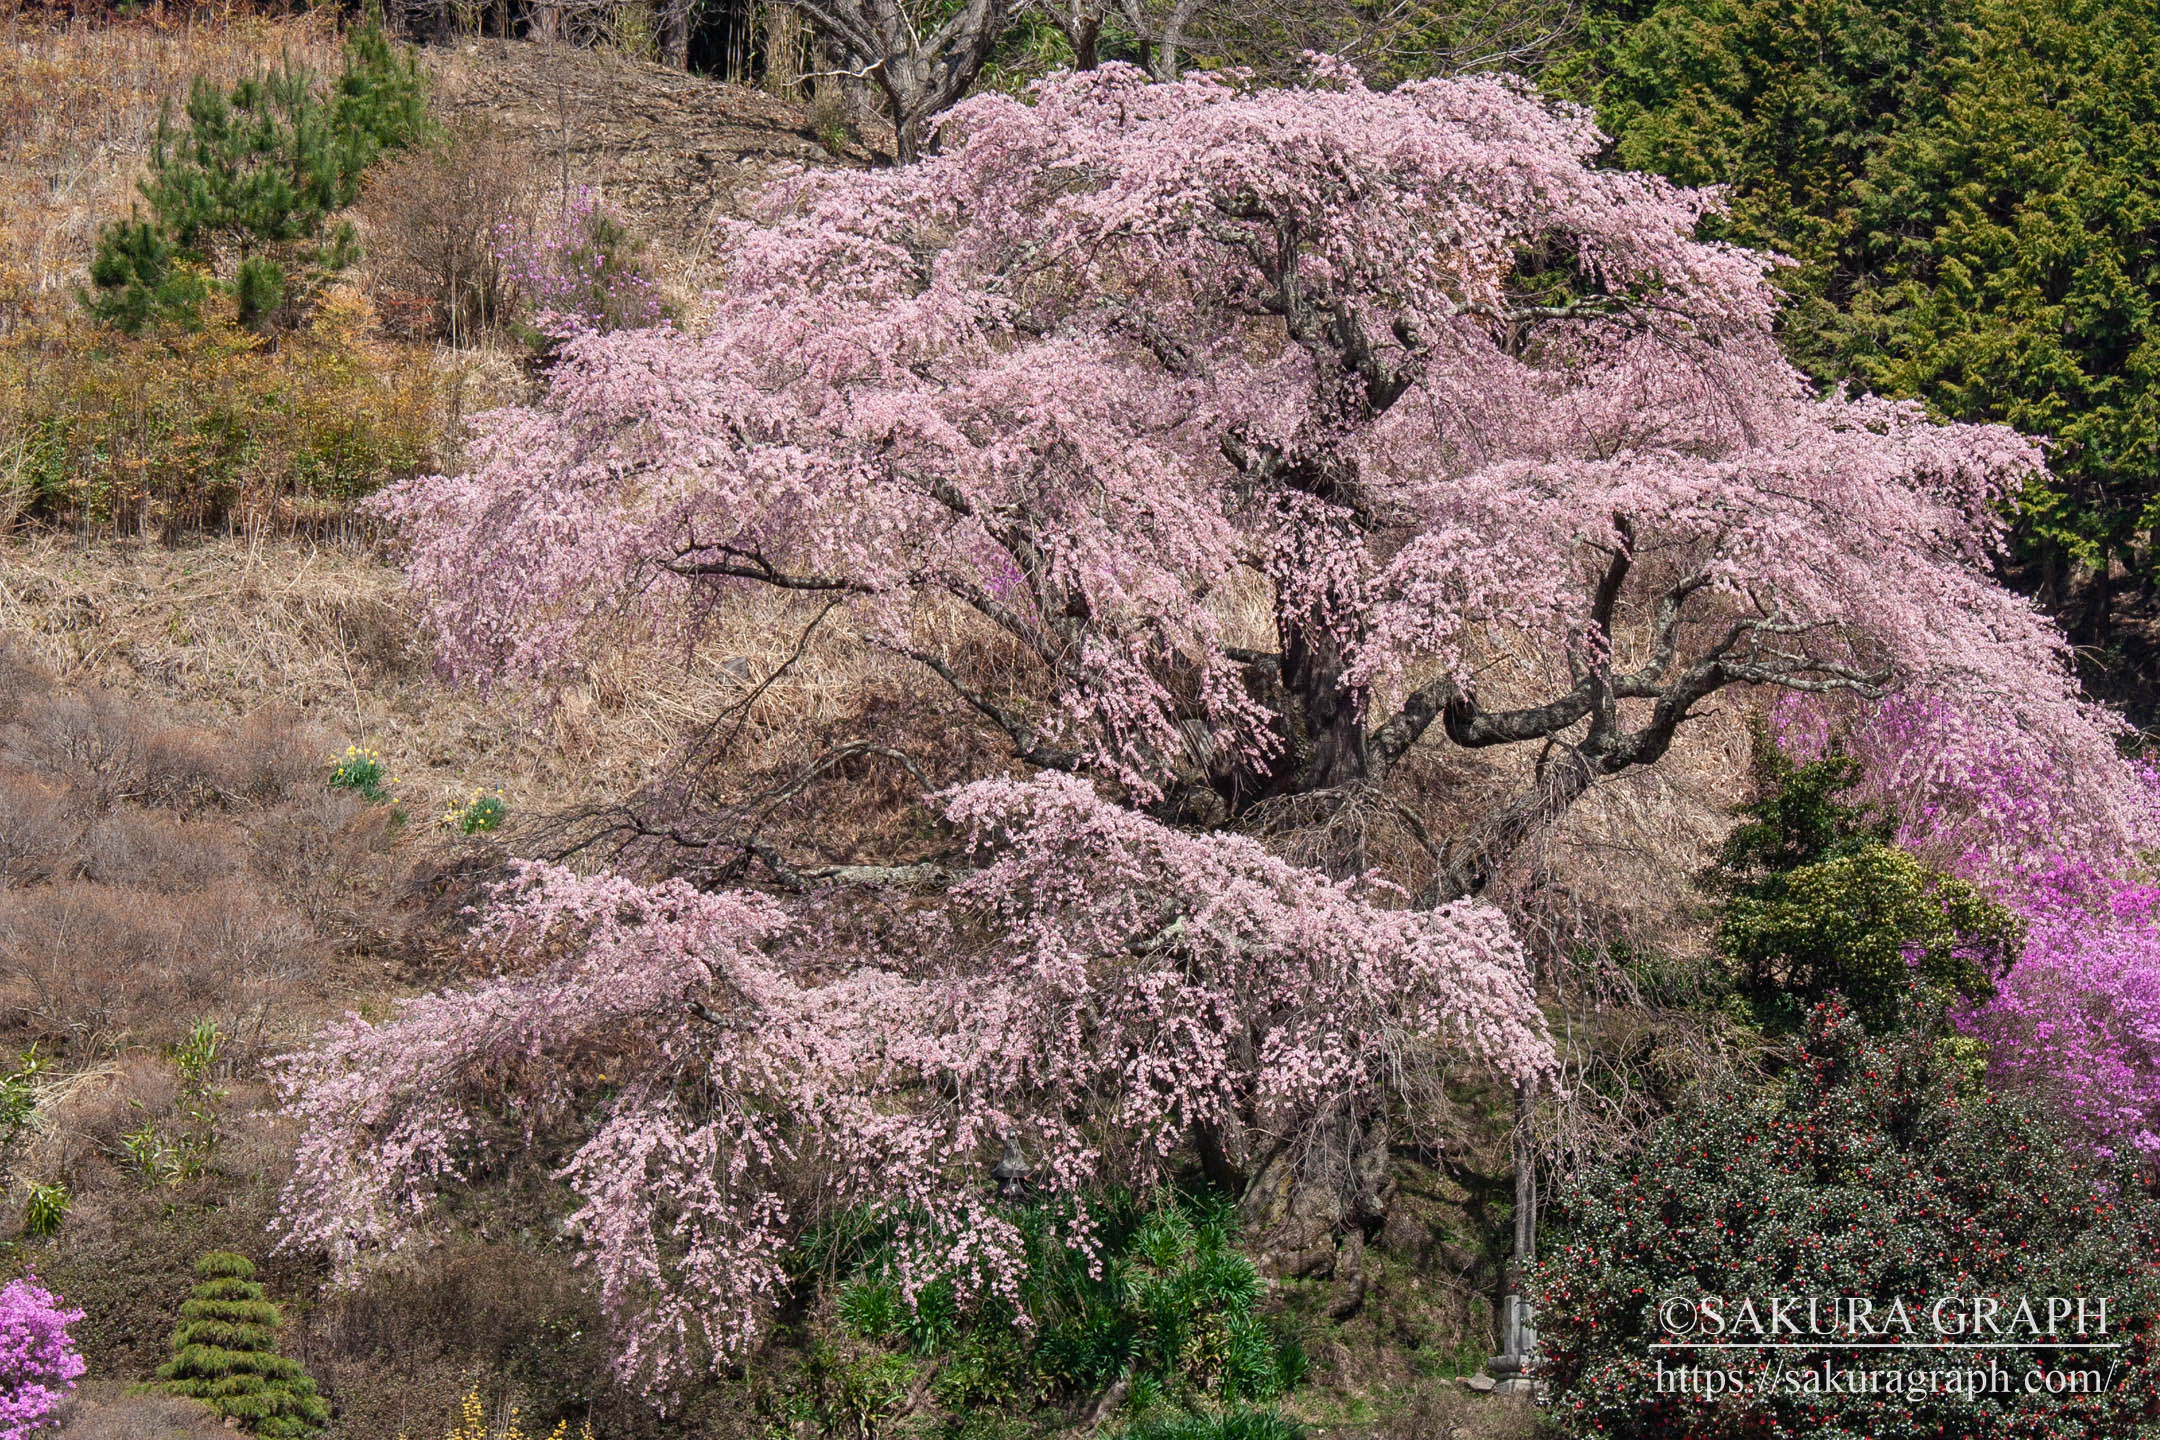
(1101,987)
(1407,361)
(1502,451)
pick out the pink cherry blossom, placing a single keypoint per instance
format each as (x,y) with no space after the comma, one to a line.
(1098,990)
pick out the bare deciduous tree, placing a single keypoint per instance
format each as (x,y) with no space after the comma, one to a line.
(921,68)
(1158,25)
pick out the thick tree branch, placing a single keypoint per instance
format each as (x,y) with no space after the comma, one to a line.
(751,565)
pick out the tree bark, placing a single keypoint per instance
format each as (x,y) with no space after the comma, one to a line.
(1309,1208)
(1159,39)
(920,75)
(1080,22)
(783,50)
(1327,718)
(675,32)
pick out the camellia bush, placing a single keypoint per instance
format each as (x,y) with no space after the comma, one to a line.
(1254,441)
(1875,1169)
(39,1363)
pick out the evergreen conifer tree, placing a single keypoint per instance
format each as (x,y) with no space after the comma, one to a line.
(253,179)
(225,1354)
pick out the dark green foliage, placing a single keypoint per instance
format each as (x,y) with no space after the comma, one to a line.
(1972,191)
(141,281)
(1238,1425)
(225,1354)
(379,94)
(251,182)
(1170,1309)
(1818,902)
(2016,228)
(1875,1169)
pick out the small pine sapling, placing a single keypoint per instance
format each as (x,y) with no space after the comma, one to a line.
(255,173)
(225,1354)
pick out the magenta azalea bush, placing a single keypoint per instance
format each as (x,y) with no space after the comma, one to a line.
(580,269)
(39,1363)
(2078,1014)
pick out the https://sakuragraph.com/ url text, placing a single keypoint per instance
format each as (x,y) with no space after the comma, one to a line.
(1712,1346)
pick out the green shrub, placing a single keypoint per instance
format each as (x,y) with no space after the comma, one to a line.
(1169,1307)
(362,771)
(255,175)
(872,1390)
(44,1210)
(18,1102)
(175,1154)
(1876,1168)
(188,427)
(225,1354)
(1238,1425)
(485,811)
(1817,903)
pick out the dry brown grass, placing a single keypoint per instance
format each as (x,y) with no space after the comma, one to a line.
(107,1410)
(324,629)
(150,879)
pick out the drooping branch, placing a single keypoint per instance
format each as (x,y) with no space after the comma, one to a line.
(1027,744)
(727,842)
(744,564)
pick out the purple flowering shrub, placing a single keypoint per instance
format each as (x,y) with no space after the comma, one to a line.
(581,270)
(2077,1015)
(38,1361)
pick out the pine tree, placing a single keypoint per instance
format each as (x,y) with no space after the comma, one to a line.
(256,175)
(225,1354)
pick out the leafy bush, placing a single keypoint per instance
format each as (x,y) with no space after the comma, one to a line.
(225,1354)
(38,1359)
(1818,902)
(45,1210)
(1876,1168)
(361,770)
(1169,1307)
(18,1104)
(195,428)
(255,176)
(173,1156)
(485,811)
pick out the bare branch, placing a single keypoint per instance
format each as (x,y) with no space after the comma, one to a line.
(1027,745)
